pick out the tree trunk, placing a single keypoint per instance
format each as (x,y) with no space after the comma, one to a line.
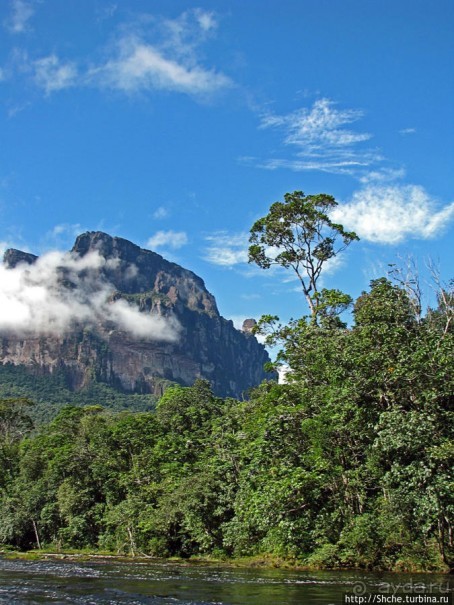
(35,528)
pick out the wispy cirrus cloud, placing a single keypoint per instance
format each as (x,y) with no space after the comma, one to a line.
(63,234)
(140,66)
(184,34)
(231,250)
(64,228)
(51,74)
(21,13)
(322,139)
(160,213)
(319,126)
(168,239)
(150,54)
(382,175)
(392,214)
(170,61)
(226,250)
(106,11)
(163,57)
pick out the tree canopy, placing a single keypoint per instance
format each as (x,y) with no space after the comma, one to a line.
(298,234)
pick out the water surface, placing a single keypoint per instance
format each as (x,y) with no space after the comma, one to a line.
(107,582)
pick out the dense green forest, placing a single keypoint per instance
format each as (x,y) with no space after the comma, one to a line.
(50,392)
(348,464)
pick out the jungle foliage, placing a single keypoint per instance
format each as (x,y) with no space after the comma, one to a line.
(348,464)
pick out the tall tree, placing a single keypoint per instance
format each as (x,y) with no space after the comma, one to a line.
(298,234)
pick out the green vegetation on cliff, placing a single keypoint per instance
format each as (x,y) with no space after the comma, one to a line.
(50,393)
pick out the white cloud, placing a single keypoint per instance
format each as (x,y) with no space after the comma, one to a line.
(17,109)
(52,75)
(168,61)
(63,234)
(160,213)
(347,164)
(181,36)
(206,20)
(168,239)
(230,250)
(141,325)
(382,175)
(333,264)
(319,126)
(391,214)
(3,247)
(106,11)
(34,301)
(151,54)
(227,250)
(141,66)
(21,14)
(405,131)
(322,140)
(66,228)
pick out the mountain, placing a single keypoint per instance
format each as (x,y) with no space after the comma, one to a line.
(111,312)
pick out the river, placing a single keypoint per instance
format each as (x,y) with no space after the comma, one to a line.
(107,582)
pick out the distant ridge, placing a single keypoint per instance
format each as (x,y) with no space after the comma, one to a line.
(124,316)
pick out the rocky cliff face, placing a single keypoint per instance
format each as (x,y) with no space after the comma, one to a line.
(185,337)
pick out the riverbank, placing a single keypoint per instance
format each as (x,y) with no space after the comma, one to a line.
(263,561)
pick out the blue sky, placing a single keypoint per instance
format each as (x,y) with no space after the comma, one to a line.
(176,125)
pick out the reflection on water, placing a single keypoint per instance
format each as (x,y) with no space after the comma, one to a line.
(103,582)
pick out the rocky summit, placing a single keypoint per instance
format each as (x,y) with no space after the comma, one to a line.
(115,313)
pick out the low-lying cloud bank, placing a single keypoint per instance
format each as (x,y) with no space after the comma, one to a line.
(61,290)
